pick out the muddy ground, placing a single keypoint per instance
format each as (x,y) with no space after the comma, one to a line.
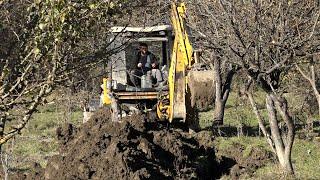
(132,149)
(138,148)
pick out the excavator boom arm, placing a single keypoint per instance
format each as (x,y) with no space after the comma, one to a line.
(181,60)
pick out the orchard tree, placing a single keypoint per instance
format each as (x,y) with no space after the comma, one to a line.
(44,44)
(308,70)
(205,28)
(265,39)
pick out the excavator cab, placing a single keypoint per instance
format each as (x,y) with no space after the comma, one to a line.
(159,41)
(177,59)
(118,88)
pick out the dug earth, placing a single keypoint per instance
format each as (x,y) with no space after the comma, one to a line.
(136,148)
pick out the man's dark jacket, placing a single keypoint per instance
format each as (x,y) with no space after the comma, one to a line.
(146,60)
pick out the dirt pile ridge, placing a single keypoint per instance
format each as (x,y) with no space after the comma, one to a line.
(132,149)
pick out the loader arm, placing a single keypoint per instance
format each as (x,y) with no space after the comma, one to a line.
(181,60)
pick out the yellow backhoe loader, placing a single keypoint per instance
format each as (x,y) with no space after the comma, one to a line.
(172,99)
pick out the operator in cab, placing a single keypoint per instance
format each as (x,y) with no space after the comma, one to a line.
(146,64)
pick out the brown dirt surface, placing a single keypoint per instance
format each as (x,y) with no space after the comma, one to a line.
(202,89)
(132,149)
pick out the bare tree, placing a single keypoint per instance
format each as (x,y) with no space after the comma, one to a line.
(204,27)
(311,76)
(264,38)
(280,141)
(268,61)
(44,44)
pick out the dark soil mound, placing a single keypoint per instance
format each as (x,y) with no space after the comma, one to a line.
(132,149)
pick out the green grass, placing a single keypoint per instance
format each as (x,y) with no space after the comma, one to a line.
(205,119)
(238,112)
(306,165)
(306,159)
(305,154)
(45,123)
(223,143)
(38,140)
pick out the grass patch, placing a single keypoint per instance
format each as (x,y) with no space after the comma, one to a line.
(224,143)
(305,154)
(305,157)
(38,141)
(205,119)
(237,113)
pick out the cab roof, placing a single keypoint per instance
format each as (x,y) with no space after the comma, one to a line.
(121,29)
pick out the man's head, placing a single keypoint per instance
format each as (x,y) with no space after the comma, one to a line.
(143,47)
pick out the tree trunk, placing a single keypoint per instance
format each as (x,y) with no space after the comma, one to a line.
(283,150)
(4,162)
(2,125)
(313,81)
(219,112)
(222,91)
(283,109)
(318,99)
(261,122)
(218,105)
(316,93)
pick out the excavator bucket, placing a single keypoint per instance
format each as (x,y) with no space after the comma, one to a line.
(201,89)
